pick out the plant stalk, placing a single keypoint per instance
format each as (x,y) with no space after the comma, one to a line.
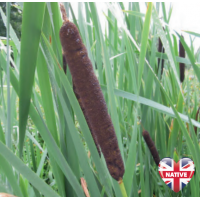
(122,188)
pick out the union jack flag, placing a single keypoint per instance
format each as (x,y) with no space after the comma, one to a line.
(176,175)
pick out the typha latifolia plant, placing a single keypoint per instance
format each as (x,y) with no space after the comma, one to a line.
(110,75)
(90,97)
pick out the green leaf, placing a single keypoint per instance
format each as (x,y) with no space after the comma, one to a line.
(7,169)
(51,144)
(31,31)
(156,106)
(145,35)
(26,172)
(135,13)
(193,33)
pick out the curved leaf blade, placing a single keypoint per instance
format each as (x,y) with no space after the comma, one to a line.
(31,31)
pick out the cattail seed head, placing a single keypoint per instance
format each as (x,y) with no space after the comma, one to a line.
(181,65)
(161,50)
(151,146)
(91,98)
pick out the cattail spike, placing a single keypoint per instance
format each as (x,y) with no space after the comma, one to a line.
(82,107)
(91,97)
(162,50)
(181,65)
(64,14)
(151,146)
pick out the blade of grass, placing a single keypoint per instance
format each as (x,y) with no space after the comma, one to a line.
(178,59)
(175,130)
(72,159)
(57,23)
(170,13)
(126,17)
(42,160)
(2,136)
(46,93)
(33,156)
(145,35)
(131,160)
(31,137)
(193,33)
(135,13)
(49,114)
(23,186)
(7,169)
(31,30)
(132,66)
(84,31)
(26,172)
(8,125)
(156,106)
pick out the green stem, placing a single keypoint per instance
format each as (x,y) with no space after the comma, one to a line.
(122,188)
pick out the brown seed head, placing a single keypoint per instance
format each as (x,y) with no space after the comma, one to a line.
(181,65)
(90,97)
(162,50)
(151,146)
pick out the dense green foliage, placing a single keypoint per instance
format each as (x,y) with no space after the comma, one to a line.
(46,147)
(15,19)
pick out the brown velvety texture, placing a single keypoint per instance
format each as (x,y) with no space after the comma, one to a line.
(91,98)
(161,50)
(87,120)
(181,65)
(151,146)
(82,108)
